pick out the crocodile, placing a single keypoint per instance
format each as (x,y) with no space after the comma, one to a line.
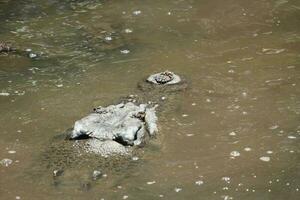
(110,139)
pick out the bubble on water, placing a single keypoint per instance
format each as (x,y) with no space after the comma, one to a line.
(12,152)
(177,189)
(226,197)
(273,127)
(235,154)
(127,30)
(184,115)
(169,13)
(248,58)
(189,134)
(265,158)
(137,12)
(125,197)
(32,55)
(161,195)
(199,182)
(193,104)
(291,67)
(247,149)
(269,190)
(232,133)
(108,38)
(208,100)
(59,85)
(226,179)
(18,197)
(151,182)
(272,51)
(135,158)
(269,152)
(225,188)
(20,93)
(125,51)
(6,162)
(5,94)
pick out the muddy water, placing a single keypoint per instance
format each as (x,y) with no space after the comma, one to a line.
(235,132)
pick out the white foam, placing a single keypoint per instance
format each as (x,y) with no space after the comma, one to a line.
(235,154)
(265,158)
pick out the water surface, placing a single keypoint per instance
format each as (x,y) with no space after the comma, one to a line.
(235,132)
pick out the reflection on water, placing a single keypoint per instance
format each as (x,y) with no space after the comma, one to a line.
(233,135)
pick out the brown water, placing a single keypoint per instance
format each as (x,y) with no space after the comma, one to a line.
(234,135)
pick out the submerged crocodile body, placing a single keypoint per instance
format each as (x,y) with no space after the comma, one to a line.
(110,138)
